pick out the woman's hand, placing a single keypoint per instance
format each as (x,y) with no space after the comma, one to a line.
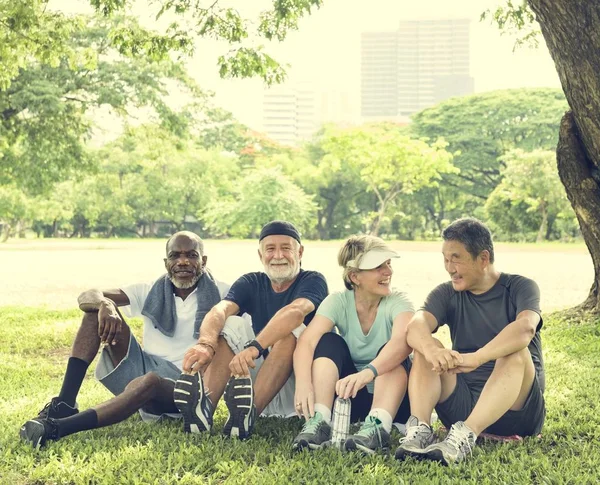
(304,400)
(350,385)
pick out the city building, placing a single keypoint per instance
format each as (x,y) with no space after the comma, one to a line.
(422,63)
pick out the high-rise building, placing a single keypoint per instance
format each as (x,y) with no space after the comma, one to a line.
(422,63)
(290,113)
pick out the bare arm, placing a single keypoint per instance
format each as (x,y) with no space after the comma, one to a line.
(304,396)
(285,321)
(514,337)
(91,300)
(198,357)
(397,349)
(419,337)
(305,349)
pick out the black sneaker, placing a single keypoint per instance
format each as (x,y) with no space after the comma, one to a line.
(370,437)
(315,434)
(193,403)
(57,409)
(38,431)
(239,397)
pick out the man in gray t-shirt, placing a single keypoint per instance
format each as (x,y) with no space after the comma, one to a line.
(493,377)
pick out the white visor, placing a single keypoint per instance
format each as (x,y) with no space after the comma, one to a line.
(372,259)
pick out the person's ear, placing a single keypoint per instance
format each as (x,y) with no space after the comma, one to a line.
(165,261)
(484,256)
(204,260)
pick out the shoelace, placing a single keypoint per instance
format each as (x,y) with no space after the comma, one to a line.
(371,426)
(413,432)
(313,424)
(459,438)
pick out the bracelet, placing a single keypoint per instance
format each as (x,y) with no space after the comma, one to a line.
(371,367)
(211,346)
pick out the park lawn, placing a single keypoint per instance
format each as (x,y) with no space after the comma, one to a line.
(35,346)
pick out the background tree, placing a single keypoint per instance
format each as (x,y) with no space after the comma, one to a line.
(571,29)
(261,196)
(530,195)
(388,162)
(479,129)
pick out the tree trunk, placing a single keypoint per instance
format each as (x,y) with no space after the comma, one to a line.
(571,29)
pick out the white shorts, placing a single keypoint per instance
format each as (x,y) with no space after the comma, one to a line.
(237,332)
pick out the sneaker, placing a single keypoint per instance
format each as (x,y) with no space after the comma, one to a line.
(57,409)
(315,434)
(37,431)
(459,443)
(370,437)
(193,403)
(418,438)
(239,397)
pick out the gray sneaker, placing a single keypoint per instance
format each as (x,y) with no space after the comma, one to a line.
(418,438)
(370,437)
(457,446)
(314,435)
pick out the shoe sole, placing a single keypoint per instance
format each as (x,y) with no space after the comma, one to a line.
(303,444)
(351,445)
(239,398)
(188,395)
(438,455)
(417,454)
(32,432)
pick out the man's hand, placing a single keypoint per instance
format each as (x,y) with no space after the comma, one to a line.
(239,365)
(198,358)
(304,400)
(470,362)
(110,323)
(350,385)
(442,359)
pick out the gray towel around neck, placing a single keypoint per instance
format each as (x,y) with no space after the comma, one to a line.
(159,306)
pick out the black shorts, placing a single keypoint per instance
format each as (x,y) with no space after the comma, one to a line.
(524,422)
(335,348)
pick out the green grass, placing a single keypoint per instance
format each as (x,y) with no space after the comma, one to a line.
(35,345)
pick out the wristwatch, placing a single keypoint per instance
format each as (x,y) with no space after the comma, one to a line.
(257,346)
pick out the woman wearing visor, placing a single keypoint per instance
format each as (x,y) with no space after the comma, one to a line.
(366,360)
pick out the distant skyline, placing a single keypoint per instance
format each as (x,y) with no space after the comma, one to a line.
(326,49)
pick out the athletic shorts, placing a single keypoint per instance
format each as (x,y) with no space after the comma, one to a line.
(524,422)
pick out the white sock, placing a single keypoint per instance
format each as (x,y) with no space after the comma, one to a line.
(325,412)
(383,416)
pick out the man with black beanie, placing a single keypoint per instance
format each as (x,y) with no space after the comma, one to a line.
(252,363)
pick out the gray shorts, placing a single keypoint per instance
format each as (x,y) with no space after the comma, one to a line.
(135,364)
(237,332)
(524,422)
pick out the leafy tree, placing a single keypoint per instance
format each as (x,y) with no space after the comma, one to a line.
(530,186)
(388,162)
(262,195)
(576,54)
(15,209)
(44,121)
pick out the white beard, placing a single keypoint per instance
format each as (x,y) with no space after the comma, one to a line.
(182,285)
(281,274)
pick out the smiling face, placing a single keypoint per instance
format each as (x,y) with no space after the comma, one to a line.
(466,273)
(376,281)
(184,262)
(280,256)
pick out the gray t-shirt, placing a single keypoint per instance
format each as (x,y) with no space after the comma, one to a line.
(474,320)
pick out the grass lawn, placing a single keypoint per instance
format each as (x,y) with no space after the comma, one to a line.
(35,346)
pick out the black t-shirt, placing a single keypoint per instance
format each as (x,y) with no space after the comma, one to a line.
(474,320)
(254,295)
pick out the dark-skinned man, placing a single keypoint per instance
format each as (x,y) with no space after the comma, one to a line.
(493,377)
(172,309)
(252,363)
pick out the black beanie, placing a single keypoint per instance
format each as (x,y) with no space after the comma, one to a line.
(279,228)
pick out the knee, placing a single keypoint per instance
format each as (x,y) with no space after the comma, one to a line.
(146,383)
(329,342)
(286,345)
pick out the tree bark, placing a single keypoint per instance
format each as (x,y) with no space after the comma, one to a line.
(571,29)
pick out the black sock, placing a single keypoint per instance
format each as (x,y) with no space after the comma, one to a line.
(76,369)
(87,419)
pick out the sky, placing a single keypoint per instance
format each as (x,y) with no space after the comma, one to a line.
(325,51)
